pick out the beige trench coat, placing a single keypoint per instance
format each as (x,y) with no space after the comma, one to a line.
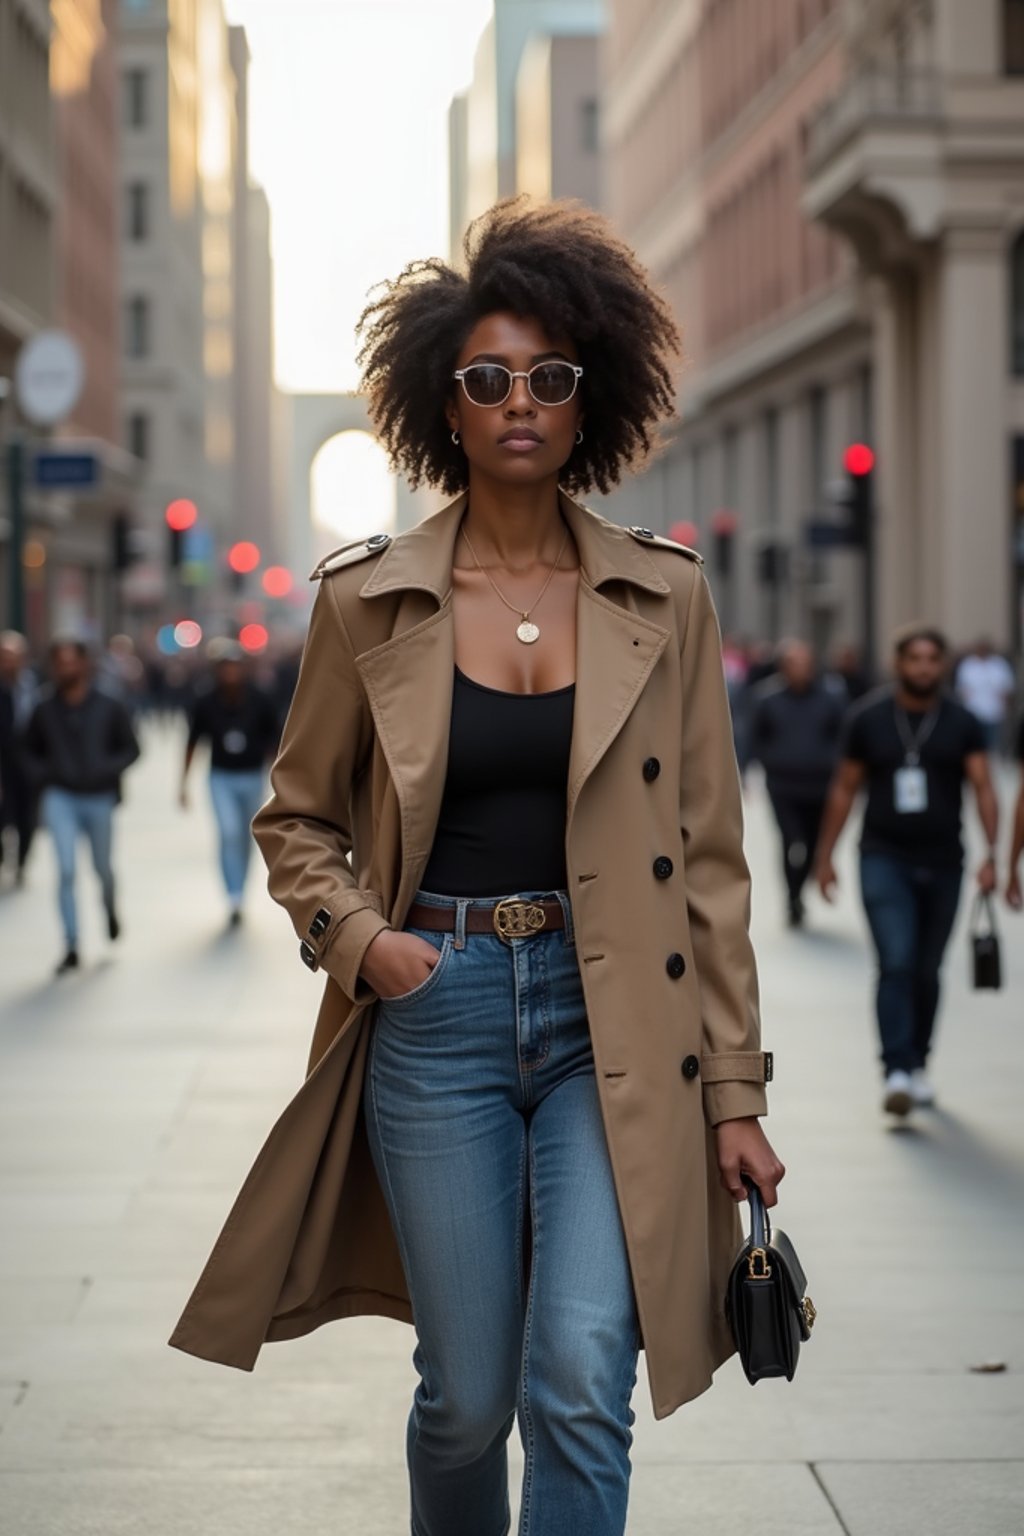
(346,833)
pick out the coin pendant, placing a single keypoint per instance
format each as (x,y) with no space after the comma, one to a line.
(527,632)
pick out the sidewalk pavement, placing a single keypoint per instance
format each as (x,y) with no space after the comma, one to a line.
(134,1096)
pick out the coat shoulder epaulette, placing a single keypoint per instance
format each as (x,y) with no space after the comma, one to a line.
(348,554)
(646,536)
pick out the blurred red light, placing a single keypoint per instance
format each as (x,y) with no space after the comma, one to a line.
(858,459)
(684,533)
(181,514)
(244,557)
(277,581)
(253,637)
(724,522)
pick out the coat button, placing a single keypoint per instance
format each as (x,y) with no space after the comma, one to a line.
(675,965)
(662,867)
(691,1066)
(651,769)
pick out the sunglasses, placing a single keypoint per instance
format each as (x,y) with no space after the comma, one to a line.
(491,383)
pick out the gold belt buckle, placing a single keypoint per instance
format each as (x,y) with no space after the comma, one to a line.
(514,919)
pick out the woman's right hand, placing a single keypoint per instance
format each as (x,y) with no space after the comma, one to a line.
(395,962)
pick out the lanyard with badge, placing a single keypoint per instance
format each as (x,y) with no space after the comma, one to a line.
(910,783)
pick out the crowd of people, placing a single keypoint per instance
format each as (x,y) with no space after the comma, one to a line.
(823,737)
(70,729)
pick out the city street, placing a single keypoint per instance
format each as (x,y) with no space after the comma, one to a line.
(134,1096)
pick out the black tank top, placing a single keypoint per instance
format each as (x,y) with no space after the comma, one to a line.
(502,822)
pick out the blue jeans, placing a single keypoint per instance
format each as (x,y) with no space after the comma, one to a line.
(237,795)
(69,815)
(911,909)
(486,1134)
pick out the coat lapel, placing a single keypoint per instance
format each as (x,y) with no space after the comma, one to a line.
(409,678)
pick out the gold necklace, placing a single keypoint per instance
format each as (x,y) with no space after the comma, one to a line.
(526,631)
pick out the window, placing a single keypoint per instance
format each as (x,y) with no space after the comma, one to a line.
(1013,37)
(137,327)
(135,98)
(136,211)
(1017,306)
(138,435)
(590,120)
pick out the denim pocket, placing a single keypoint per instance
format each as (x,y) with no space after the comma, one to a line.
(429,981)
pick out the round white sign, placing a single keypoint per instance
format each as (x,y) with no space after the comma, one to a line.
(48,377)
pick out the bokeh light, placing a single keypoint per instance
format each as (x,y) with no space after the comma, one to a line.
(188,634)
(277,581)
(253,637)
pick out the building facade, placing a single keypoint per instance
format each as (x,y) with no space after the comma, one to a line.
(483,146)
(829,192)
(178,148)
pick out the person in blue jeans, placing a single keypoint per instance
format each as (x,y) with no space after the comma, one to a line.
(239,721)
(77,744)
(911,746)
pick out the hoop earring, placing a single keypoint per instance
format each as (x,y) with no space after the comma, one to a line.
(455,438)
(579,435)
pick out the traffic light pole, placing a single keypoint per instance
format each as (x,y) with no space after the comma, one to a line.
(869,587)
(16,532)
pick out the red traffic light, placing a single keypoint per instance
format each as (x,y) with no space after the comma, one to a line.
(181,514)
(859,459)
(724,523)
(684,533)
(253,637)
(277,581)
(244,557)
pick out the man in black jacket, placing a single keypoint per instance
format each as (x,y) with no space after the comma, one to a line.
(18,694)
(77,745)
(795,735)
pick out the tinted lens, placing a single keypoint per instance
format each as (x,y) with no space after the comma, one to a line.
(552,383)
(486,383)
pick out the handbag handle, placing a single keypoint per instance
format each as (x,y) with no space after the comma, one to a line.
(760,1221)
(983,903)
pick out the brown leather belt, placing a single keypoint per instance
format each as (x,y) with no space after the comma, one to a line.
(510,918)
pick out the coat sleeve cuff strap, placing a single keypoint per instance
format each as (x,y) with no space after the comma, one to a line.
(738,1067)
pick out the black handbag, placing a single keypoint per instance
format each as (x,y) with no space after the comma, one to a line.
(986,963)
(766,1299)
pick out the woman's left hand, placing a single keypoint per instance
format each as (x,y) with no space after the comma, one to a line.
(743,1147)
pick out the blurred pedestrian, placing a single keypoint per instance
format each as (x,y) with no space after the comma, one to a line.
(848,668)
(911,746)
(985,684)
(239,721)
(120,673)
(490,949)
(19,692)
(1013,883)
(78,743)
(795,733)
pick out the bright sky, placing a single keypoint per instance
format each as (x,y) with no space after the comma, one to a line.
(348,104)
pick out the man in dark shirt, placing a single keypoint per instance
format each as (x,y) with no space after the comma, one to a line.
(911,746)
(77,744)
(795,736)
(240,722)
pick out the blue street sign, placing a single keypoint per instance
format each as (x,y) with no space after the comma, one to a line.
(824,535)
(52,468)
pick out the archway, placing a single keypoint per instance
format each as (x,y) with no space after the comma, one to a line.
(353,489)
(315,420)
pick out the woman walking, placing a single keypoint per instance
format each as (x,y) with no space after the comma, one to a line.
(506,823)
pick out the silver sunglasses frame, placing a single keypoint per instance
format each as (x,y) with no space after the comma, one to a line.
(514,374)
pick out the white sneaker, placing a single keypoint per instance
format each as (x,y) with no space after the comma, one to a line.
(921,1089)
(899,1093)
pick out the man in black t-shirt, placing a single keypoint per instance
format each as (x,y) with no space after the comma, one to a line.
(911,747)
(240,722)
(1014,894)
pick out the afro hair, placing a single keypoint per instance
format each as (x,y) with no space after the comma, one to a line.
(561,264)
